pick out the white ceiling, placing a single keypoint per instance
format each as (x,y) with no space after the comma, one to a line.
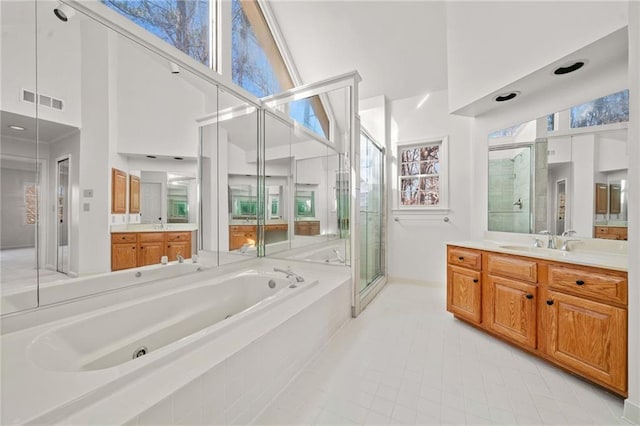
(398,47)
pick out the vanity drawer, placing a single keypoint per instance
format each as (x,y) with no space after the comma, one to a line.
(243,228)
(128,237)
(281,227)
(466,258)
(178,236)
(512,267)
(147,237)
(585,282)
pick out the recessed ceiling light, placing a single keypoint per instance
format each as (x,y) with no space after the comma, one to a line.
(506,96)
(178,158)
(151,156)
(568,68)
(14,127)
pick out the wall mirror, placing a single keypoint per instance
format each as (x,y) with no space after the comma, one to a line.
(167,197)
(313,169)
(563,172)
(102,102)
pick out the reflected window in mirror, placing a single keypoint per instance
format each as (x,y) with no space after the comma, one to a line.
(186,25)
(608,109)
(305,204)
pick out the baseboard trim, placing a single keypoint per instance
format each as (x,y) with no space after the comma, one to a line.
(631,412)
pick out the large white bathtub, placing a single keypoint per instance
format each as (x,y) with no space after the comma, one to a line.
(81,368)
(114,337)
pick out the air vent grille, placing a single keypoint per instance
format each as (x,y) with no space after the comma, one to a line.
(43,100)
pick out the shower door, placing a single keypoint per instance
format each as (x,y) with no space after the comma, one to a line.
(371,212)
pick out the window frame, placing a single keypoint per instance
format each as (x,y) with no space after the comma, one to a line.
(443,174)
(272,43)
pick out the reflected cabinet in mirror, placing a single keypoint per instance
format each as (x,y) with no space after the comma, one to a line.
(562,174)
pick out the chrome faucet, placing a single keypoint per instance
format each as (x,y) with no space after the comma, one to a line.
(338,255)
(289,273)
(551,242)
(180,258)
(565,244)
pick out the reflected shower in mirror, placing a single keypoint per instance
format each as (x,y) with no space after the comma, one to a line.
(548,174)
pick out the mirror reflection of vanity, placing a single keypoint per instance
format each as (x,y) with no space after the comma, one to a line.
(550,174)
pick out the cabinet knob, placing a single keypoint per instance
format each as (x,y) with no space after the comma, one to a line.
(580,282)
(475,280)
(529,296)
(549,302)
(134,247)
(460,258)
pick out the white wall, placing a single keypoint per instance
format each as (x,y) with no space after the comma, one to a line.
(417,244)
(156,109)
(492,44)
(632,404)
(94,246)
(583,159)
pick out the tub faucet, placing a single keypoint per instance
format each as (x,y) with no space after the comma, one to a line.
(551,242)
(338,255)
(180,258)
(289,273)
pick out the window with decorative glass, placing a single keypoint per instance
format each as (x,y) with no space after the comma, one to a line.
(422,180)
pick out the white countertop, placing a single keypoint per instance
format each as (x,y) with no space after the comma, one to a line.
(149,227)
(235,222)
(584,252)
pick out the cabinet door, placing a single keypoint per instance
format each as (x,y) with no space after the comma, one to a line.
(588,337)
(182,248)
(463,293)
(134,194)
(118,191)
(511,309)
(123,256)
(150,253)
(602,198)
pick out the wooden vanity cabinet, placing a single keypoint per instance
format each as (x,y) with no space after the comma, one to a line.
(240,235)
(150,247)
(510,297)
(586,319)
(124,251)
(307,227)
(464,284)
(178,243)
(133,249)
(571,315)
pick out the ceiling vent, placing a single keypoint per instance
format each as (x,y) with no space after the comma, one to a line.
(43,100)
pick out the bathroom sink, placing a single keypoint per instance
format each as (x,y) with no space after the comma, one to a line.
(536,250)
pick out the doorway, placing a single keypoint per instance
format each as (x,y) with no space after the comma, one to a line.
(62,215)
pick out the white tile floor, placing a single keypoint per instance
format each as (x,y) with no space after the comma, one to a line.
(405,360)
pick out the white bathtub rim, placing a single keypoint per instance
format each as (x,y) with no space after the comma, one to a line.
(98,383)
(184,370)
(208,332)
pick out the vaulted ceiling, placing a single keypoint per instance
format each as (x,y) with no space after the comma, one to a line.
(398,47)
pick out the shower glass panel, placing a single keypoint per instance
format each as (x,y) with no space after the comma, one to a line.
(20,169)
(371,209)
(511,188)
